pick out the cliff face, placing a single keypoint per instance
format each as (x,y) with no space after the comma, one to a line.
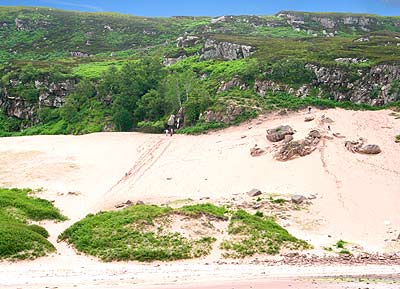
(48,94)
(335,22)
(374,86)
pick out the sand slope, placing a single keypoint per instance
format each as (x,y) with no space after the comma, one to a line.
(358,196)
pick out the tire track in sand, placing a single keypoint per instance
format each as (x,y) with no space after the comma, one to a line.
(338,182)
(149,155)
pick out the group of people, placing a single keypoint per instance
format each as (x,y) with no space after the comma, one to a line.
(174,122)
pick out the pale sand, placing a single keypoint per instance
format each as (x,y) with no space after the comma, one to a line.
(358,196)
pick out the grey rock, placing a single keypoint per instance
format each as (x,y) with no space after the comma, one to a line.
(229,114)
(298,199)
(254,193)
(187,41)
(168,61)
(370,150)
(226,50)
(78,54)
(279,133)
(309,118)
(256,151)
(235,82)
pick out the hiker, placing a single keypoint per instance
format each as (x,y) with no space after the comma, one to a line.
(309,109)
(171,124)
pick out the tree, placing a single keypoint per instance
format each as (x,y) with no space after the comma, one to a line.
(150,107)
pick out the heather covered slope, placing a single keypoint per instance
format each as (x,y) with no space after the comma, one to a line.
(65,72)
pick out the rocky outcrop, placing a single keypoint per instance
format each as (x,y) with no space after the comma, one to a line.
(299,148)
(187,41)
(168,61)
(228,115)
(374,86)
(279,133)
(78,54)
(214,49)
(261,87)
(19,108)
(331,21)
(234,82)
(54,95)
(51,94)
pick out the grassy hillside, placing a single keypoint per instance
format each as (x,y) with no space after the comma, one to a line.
(66,72)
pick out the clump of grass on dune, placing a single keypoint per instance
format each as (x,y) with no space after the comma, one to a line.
(19,239)
(143,233)
(256,234)
(131,235)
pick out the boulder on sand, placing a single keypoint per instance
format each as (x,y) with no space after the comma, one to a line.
(359,147)
(370,150)
(256,151)
(298,199)
(309,118)
(254,193)
(279,133)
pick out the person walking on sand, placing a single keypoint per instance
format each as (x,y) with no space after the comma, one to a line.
(171,124)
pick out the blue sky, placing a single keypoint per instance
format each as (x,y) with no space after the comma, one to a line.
(215,7)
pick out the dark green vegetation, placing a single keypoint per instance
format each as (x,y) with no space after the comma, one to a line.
(256,234)
(19,239)
(397,139)
(144,233)
(65,72)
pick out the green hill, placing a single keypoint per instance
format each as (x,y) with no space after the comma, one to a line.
(71,72)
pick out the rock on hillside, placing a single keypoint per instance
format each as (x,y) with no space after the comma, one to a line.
(334,22)
(226,50)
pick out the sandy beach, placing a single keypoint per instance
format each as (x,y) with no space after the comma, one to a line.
(357,197)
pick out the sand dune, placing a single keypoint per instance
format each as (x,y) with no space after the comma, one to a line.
(358,196)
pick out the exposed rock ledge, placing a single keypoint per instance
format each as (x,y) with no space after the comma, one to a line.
(226,50)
